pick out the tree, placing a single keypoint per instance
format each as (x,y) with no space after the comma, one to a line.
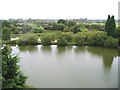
(110,26)
(97,38)
(46,40)
(107,24)
(71,26)
(111,42)
(75,28)
(48,26)
(68,36)
(29,39)
(62,41)
(113,27)
(62,21)
(12,77)
(79,39)
(38,30)
(66,29)
(26,29)
(71,23)
(5,23)
(59,26)
(5,33)
(16,31)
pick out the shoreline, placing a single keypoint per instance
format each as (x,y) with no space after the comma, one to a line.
(14,43)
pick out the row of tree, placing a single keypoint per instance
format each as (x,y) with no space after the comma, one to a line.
(61,25)
(94,38)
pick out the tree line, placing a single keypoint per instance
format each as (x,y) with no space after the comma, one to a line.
(63,26)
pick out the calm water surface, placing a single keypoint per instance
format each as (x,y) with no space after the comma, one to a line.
(68,67)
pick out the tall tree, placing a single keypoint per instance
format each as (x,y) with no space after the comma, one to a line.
(5,23)
(12,76)
(113,26)
(110,26)
(107,24)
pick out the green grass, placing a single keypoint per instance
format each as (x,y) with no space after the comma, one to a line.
(33,25)
(117,23)
(38,34)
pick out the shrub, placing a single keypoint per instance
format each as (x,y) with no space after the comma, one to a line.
(46,40)
(29,39)
(111,42)
(62,41)
(71,23)
(66,29)
(68,36)
(97,38)
(47,26)
(59,26)
(90,37)
(79,39)
(38,30)
(25,29)
(5,33)
(75,28)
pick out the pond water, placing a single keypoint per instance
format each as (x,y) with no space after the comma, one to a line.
(68,67)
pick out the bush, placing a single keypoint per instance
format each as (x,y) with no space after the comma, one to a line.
(16,31)
(95,26)
(38,30)
(66,29)
(59,26)
(47,26)
(97,38)
(111,42)
(75,28)
(29,39)
(68,36)
(46,40)
(26,29)
(79,39)
(71,23)
(6,33)
(62,41)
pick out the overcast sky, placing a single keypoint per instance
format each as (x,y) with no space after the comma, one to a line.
(56,9)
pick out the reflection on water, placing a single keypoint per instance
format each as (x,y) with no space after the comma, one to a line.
(30,49)
(68,48)
(80,49)
(70,66)
(46,48)
(107,55)
(61,50)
